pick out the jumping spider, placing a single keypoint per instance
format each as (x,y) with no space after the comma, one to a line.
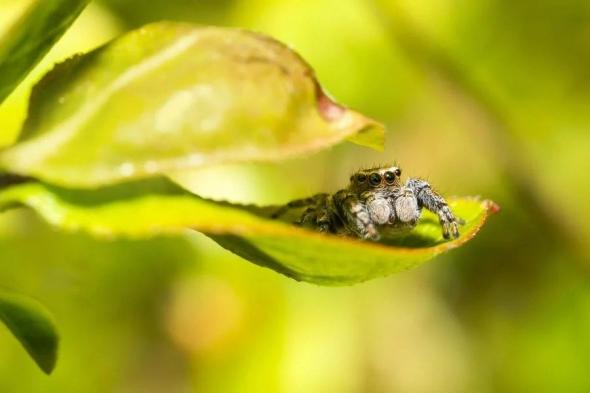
(375,201)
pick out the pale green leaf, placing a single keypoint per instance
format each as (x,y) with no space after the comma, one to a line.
(155,206)
(173,96)
(33,326)
(31,36)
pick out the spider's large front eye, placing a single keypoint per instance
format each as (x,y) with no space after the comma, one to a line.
(389,177)
(375,179)
(361,178)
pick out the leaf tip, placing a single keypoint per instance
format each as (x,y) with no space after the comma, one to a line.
(367,132)
(33,326)
(47,366)
(371,135)
(492,207)
(45,356)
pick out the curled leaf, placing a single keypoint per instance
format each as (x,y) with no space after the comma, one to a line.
(33,326)
(173,96)
(156,206)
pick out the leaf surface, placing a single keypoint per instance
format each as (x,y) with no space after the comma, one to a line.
(157,206)
(33,326)
(173,96)
(31,37)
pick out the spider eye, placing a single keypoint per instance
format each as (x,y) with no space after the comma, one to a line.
(375,179)
(361,178)
(398,172)
(389,177)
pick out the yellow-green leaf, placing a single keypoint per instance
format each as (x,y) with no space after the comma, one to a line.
(33,326)
(156,206)
(173,96)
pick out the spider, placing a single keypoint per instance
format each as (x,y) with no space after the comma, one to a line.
(374,202)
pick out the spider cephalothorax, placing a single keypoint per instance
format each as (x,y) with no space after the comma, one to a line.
(375,178)
(376,200)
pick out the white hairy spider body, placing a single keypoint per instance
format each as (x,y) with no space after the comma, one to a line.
(374,202)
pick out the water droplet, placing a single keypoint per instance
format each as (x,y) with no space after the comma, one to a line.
(127,169)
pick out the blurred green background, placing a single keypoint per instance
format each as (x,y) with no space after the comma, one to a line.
(486,97)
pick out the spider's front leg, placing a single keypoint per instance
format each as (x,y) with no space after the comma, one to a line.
(315,216)
(355,216)
(315,200)
(431,200)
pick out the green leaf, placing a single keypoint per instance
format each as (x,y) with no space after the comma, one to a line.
(157,206)
(31,37)
(173,96)
(33,326)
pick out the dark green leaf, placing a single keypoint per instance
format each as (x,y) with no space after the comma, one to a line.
(33,326)
(21,48)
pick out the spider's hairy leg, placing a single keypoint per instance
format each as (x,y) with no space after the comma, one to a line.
(317,217)
(355,215)
(434,202)
(299,203)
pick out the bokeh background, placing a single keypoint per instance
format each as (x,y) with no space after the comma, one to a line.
(486,97)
